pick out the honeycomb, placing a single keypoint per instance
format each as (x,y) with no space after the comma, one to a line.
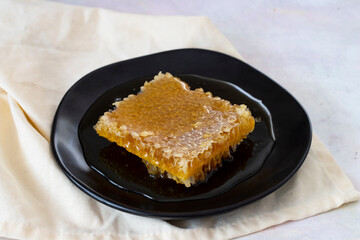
(178,133)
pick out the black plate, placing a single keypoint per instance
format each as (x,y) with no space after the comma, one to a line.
(262,165)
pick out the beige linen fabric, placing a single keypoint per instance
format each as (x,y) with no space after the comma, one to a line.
(47,47)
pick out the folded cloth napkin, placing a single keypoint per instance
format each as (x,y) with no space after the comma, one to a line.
(44,49)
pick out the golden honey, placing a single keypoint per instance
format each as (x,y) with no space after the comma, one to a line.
(179,133)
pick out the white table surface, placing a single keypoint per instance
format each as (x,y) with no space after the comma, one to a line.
(312,48)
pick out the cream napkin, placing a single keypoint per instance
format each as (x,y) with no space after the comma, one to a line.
(44,49)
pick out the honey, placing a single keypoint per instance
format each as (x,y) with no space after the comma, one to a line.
(179,133)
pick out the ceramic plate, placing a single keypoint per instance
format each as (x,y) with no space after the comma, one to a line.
(270,156)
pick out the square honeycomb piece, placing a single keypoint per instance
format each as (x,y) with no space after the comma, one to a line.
(178,133)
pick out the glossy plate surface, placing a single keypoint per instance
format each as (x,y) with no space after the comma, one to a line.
(103,170)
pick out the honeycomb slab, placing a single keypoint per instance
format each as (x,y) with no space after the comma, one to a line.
(178,133)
